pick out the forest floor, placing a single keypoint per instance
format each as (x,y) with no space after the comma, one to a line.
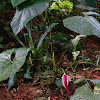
(29,90)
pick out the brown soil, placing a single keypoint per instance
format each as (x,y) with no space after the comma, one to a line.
(28,91)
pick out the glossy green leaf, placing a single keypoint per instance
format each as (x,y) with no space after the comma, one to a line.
(22,17)
(83,25)
(11,81)
(16,2)
(9,66)
(83,93)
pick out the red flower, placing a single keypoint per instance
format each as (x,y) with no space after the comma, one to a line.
(65,83)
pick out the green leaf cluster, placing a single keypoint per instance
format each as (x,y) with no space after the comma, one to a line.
(62,5)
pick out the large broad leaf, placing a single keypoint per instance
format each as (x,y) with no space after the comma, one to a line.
(9,66)
(84,25)
(83,93)
(22,17)
(16,2)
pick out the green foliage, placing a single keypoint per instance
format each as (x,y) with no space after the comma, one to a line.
(82,2)
(91,13)
(78,80)
(27,74)
(16,2)
(76,40)
(12,60)
(23,16)
(20,56)
(83,93)
(11,81)
(43,36)
(1,39)
(66,5)
(62,5)
(7,29)
(10,65)
(97,92)
(87,25)
(54,6)
(96,89)
(29,37)
(75,55)
(91,3)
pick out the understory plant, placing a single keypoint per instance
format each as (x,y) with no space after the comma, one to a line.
(12,60)
(86,22)
(25,11)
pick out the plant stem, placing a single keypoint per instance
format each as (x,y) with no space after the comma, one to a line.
(30,37)
(74,4)
(50,35)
